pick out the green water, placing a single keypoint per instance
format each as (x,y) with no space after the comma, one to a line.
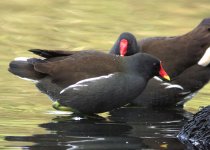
(77,25)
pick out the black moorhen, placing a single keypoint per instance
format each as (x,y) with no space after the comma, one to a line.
(125,45)
(89,81)
(182,87)
(196,132)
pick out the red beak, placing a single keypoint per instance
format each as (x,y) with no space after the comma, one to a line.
(123,47)
(163,73)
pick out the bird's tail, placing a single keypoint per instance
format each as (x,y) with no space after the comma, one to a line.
(24,68)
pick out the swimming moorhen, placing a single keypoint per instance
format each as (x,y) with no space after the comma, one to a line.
(89,81)
(182,87)
(125,45)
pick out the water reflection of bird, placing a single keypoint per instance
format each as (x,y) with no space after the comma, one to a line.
(80,132)
(157,127)
(126,128)
(196,132)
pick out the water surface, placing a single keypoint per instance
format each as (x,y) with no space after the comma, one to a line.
(27,119)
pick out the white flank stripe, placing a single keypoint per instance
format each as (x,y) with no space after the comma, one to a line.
(21,58)
(205,60)
(158,79)
(190,96)
(83,83)
(77,85)
(167,84)
(29,79)
(174,86)
(184,93)
(95,79)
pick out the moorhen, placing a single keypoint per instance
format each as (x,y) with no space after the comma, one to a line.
(125,45)
(89,81)
(182,87)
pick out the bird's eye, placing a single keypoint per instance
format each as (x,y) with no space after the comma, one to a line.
(208,29)
(154,64)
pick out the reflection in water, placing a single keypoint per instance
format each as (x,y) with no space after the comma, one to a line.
(126,128)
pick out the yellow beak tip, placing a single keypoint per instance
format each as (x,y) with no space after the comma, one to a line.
(167,78)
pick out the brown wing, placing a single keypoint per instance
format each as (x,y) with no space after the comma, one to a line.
(179,52)
(82,65)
